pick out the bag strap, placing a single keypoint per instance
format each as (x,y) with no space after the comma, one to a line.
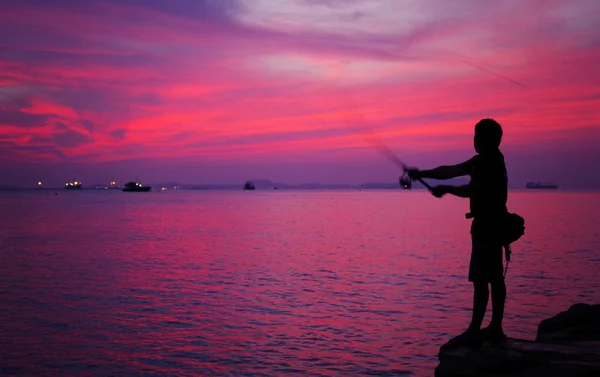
(507,252)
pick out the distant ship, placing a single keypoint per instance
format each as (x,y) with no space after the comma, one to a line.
(113,186)
(136,187)
(249,186)
(73,185)
(541,185)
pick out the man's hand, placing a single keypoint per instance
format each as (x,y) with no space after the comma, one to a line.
(439,191)
(414,173)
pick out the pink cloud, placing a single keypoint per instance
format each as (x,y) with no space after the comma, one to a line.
(126,81)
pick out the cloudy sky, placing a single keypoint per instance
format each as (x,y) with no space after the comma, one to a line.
(207,91)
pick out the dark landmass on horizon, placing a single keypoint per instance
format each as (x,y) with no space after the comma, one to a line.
(260,184)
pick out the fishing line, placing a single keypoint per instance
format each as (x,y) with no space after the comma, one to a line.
(451,56)
(493,73)
(375,141)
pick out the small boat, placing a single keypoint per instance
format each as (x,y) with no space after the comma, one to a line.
(135,187)
(541,185)
(249,186)
(73,185)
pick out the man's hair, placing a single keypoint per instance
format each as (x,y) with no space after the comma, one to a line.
(490,132)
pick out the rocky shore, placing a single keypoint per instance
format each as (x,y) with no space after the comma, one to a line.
(566,345)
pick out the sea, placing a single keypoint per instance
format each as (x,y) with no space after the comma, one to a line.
(268,283)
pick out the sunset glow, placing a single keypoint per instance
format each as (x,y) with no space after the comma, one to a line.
(173,89)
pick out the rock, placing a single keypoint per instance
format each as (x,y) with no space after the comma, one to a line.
(580,322)
(521,358)
(573,351)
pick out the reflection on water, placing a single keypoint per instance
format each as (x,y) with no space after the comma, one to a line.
(267,283)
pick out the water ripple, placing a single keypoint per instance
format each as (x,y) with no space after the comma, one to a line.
(223,284)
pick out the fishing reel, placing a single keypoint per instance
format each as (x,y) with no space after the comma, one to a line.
(405,181)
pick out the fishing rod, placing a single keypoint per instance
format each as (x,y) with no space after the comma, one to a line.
(375,141)
(405,180)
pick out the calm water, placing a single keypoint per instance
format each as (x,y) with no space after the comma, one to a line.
(267,283)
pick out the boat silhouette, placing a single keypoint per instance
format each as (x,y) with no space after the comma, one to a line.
(136,187)
(73,185)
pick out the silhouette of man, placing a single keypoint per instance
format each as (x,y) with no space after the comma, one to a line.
(487,193)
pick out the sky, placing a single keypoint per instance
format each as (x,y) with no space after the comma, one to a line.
(221,91)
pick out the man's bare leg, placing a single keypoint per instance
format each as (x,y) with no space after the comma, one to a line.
(480,301)
(494,332)
(498,300)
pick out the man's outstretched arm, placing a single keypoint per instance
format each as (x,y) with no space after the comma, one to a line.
(460,191)
(443,172)
(447,171)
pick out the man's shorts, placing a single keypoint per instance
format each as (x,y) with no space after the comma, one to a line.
(486,261)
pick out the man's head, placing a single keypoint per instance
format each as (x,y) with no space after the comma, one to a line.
(488,134)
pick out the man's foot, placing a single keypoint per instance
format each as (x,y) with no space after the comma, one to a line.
(493,334)
(468,339)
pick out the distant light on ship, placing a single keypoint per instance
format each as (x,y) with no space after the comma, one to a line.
(39,183)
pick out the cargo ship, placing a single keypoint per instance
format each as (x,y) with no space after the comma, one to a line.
(541,185)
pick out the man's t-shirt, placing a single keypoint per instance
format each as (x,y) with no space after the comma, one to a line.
(489,185)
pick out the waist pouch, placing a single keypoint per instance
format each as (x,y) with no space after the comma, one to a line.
(502,229)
